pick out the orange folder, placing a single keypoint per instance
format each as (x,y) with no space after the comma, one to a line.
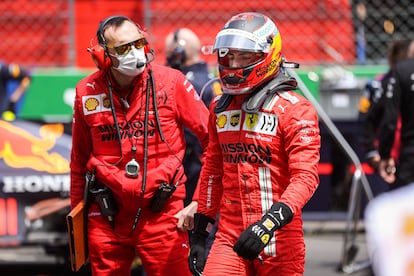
(77,231)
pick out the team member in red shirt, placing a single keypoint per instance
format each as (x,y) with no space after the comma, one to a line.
(128,140)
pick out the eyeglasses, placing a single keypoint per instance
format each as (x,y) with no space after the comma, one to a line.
(125,48)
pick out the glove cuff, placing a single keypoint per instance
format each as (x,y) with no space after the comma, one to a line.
(281,213)
(201,224)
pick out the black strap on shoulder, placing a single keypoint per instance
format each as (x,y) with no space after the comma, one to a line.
(280,83)
(223,103)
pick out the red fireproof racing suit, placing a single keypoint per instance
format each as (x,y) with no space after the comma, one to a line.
(254,160)
(96,147)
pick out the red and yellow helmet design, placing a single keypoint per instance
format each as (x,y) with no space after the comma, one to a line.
(248,32)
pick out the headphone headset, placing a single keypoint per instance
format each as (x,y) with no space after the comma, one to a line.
(99,52)
(178,56)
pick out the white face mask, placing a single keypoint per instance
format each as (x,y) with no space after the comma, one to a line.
(133,63)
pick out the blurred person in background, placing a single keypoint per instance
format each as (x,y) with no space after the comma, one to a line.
(128,141)
(262,159)
(389,225)
(371,107)
(16,74)
(398,105)
(183,52)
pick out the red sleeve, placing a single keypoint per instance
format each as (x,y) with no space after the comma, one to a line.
(210,183)
(193,114)
(192,111)
(302,144)
(81,149)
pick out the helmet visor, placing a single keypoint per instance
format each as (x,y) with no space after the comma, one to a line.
(238,59)
(239,39)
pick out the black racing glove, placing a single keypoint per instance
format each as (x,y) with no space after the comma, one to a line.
(196,259)
(252,240)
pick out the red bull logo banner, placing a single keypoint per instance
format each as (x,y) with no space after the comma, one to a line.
(34,168)
(19,148)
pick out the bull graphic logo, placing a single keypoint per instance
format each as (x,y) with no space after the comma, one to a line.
(21,149)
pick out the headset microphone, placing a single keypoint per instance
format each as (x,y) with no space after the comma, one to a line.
(149,54)
(140,64)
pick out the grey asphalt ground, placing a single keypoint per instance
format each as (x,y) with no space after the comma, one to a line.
(325,247)
(325,241)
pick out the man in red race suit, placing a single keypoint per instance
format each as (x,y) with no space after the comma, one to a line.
(262,159)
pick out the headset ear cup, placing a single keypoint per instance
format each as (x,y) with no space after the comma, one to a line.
(149,52)
(99,57)
(147,49)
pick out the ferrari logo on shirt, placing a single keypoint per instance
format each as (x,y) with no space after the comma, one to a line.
(265,238)
(251,120)
(96,103)
(260,122)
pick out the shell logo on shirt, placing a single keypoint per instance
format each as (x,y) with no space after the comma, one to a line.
(91,104)
(96,103)
(221,121)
